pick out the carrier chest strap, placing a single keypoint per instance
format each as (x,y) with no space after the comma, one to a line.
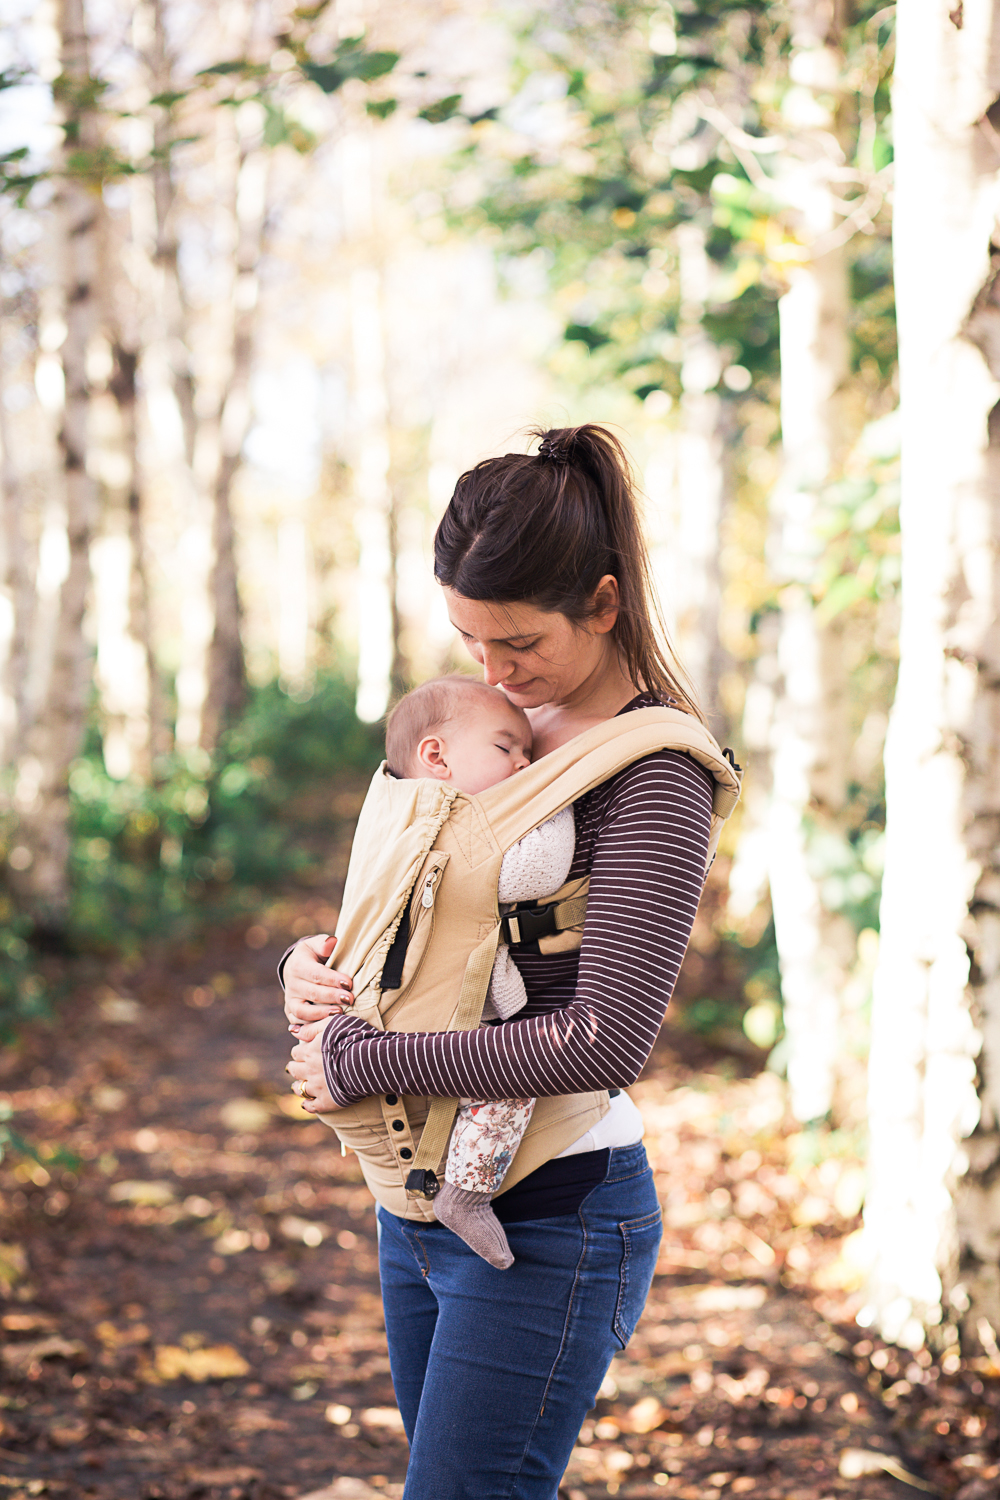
(526,924)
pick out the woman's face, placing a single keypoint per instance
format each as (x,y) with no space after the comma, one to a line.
(535,655)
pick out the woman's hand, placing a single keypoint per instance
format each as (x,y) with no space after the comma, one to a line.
(306,1067)
(312,991)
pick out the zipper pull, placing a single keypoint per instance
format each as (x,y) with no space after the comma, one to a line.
(427,899)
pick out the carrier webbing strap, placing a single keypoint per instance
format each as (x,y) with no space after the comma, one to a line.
(468,1013)
(527,924)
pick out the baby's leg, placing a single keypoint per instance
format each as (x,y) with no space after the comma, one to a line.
(483,1143)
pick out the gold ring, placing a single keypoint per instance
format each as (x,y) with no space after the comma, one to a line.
(298,1087)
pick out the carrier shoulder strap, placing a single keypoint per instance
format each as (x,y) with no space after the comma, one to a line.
(523,802)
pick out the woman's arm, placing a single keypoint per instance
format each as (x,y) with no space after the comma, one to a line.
(645,884)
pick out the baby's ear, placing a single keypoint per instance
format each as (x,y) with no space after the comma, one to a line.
(430,758)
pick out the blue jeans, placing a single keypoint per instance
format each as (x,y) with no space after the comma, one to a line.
(494,1371)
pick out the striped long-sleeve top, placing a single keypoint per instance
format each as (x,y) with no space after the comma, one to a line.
(592,1016)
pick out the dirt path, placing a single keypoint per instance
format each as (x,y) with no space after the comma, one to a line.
(193,1310)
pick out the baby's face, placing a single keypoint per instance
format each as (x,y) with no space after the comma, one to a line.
(485,745)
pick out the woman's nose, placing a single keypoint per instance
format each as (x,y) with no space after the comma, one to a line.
(495,667)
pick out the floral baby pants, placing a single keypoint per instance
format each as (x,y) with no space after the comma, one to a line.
(483,1142)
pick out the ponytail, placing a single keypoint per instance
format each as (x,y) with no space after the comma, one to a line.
(546,528)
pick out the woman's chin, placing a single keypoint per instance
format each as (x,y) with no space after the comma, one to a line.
(530,694)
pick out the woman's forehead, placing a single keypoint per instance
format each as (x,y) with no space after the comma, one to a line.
(492,622)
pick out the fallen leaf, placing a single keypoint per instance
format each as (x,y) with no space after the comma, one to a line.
(120,1011)
(68,1435)
(232,1242)
(237,1474)
(855,1463)
(345,1488)
(19,1356)
(13,1266)
(383,1416)
(148,1194)
(292,1106)
(706,1299)
(118,1338)
(294,1228)
(26,1322)
(248,1116)
(646,1415)
(219,1362)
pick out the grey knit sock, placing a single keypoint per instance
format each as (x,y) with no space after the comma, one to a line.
(470,1215)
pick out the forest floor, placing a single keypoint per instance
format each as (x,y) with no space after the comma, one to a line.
(190,1308)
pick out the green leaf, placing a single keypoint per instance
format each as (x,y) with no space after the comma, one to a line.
(842,593)
(223,69)
(441,110)
(170,98)
(381,108)
(350,62)
(583,333)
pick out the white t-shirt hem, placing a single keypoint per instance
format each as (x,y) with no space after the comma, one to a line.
(621,1126)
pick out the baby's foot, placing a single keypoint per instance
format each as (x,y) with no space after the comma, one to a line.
(470,1215)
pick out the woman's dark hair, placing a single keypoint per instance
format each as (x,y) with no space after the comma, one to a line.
(546,528)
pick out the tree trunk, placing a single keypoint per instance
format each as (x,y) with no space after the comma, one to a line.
(132,695)
(226,668)
(810,726)
(59,730)
(211,683)
(16,601)
(701,483)
(933,1212)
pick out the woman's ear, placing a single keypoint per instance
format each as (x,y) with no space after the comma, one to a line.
(605,604)
(431,758)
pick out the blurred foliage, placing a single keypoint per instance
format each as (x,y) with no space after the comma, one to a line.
(633,118)
(22,992)
(201,842)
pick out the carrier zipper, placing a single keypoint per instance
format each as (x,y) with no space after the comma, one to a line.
(427,896)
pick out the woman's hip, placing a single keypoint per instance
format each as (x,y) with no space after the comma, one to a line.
(615,1233)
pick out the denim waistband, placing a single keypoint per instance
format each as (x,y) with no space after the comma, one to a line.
(627,1161)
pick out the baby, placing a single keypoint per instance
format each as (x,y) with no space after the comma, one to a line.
(470,736)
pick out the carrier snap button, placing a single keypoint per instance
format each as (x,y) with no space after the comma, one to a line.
(405,1152)
(398,1125)
(392,1099)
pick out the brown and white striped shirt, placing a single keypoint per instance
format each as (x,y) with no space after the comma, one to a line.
(592,1017)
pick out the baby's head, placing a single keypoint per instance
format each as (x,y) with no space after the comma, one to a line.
(460,731)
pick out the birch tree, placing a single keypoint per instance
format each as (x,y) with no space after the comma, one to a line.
(810,734)
(16,595)
(933,1212)
(701,478)
(43,790)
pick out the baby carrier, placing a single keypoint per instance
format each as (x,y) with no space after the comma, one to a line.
(420,923)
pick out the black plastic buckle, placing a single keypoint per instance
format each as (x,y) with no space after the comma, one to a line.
(527,924)
(423,1183)
(728,754)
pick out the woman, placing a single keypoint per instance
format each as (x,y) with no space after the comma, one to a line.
(546,578)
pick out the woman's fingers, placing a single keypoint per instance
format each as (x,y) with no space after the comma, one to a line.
(309,984)
(314,1005)
(305,963)
(322,944)
(307,1031)
(306,1069)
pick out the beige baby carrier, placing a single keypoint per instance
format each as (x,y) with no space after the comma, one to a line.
(420,923)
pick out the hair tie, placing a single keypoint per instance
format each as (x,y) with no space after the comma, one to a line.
(553,451)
